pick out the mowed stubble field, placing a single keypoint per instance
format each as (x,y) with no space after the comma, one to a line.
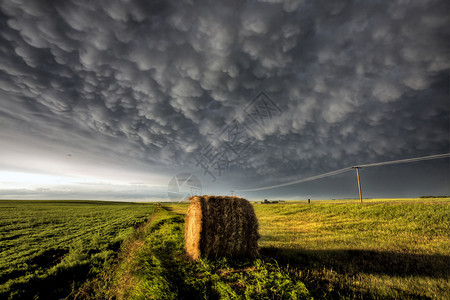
(381,249)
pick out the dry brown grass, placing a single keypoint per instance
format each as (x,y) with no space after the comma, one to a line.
(220,226)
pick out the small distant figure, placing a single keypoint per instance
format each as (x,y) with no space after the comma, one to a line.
(309,201)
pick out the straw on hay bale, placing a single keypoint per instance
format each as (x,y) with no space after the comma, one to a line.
(220,226)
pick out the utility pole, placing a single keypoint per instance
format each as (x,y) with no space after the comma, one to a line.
(232,192)
(359,183)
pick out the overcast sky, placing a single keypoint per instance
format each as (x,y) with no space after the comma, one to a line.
(111,99)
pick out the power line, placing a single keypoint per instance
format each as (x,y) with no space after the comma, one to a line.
(340,171)
(403,161)
(299,181)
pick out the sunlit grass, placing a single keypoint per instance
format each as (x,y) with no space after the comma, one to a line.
(336,249)
(382,248)
(420,227)
(159,269)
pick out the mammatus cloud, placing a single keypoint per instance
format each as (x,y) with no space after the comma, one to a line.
(147,84)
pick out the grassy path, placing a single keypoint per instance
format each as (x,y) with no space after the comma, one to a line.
(155,267)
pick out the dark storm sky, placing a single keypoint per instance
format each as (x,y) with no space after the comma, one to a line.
(110,99)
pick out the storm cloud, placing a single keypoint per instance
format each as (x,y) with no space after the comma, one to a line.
(146,85)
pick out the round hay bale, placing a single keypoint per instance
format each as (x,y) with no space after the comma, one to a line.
(220,226)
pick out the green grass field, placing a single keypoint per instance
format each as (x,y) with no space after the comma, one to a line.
(49,248)
(380,249)
(340,249)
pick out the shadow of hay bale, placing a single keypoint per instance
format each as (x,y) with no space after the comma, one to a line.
(220,226)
